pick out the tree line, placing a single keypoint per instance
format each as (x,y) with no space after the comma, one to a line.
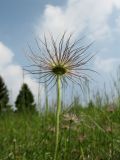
(23,102)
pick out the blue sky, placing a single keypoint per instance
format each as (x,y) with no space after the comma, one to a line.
(17,21)
(21,21)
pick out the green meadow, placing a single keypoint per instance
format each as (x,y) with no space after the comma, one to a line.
(86,133)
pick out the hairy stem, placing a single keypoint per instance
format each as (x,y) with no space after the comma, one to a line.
(57,116)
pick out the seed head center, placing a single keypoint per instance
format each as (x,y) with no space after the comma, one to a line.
(59,70)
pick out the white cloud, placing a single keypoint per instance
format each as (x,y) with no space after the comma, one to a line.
(13,74)
(117,3)
(6,55)
(108,65)
(77,16)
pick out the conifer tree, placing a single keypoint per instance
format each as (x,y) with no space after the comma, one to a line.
(25,99)
(3,95)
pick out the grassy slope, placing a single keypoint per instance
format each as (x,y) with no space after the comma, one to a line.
(29,136)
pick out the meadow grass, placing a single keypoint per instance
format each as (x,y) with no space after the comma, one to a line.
(91,133)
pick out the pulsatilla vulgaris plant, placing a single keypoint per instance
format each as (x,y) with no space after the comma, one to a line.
(57,63)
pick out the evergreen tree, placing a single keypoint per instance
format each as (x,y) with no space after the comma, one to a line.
(3,95)
(25,99)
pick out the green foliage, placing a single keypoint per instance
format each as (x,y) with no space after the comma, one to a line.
(25,99)
(3,95)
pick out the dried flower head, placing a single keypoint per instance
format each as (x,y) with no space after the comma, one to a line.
(71,118)
(66,127)
(66,58)
(111,107)
(81,138)
(108,129)
(52,129)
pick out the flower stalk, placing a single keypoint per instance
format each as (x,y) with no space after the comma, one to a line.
(57,64)
(57,115)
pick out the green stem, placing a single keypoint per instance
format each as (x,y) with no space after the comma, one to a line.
(57,115)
